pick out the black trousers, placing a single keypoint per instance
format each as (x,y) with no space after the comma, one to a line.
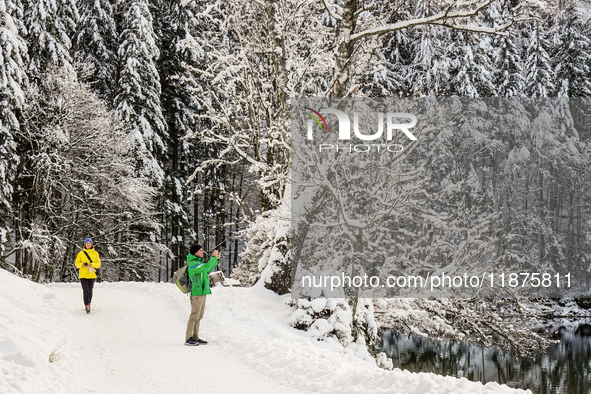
(87,286)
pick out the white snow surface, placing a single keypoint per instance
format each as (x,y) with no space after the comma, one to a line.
(132,342)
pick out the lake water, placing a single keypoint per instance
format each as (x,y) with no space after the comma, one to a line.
(565,368)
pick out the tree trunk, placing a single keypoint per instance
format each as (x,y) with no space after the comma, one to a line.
(279,59)
(343,63)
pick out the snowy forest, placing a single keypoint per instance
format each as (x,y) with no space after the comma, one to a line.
(149,125)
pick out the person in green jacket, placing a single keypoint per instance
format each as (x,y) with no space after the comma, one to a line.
(198,271)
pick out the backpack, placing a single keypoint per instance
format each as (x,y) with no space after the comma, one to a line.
(182,280)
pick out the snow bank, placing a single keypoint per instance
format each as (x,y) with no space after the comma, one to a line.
(261,336)
(32,324)
(137,345)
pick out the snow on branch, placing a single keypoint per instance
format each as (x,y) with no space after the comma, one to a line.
(330,11)
(444,18)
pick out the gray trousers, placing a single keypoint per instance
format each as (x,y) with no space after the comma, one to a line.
(197,310)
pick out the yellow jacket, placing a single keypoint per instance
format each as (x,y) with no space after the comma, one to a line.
(85,271)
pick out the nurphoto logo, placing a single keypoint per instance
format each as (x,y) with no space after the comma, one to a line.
(344,126)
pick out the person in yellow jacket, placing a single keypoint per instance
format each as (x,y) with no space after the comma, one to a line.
(87,262)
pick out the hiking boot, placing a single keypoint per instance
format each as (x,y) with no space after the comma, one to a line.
(88,308)
(191,342)
(201,342)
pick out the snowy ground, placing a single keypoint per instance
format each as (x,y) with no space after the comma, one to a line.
(132,342)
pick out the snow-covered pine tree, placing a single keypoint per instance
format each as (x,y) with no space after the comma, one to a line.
(176,23)
(270,247)
(50,27)
(508,70)
(13,52)
(430,67)
(471,65)
(573,56)
(507,57)
(47,27)
(555,65)
(96,46)
(429,71)
(137,102)
(390,74)
(570,164)
(538,71)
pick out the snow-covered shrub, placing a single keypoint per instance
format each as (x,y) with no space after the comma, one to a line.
(39,250)
(267,254)
(365,329)
(248,271)
(333,317)
(384,362)
(322,318)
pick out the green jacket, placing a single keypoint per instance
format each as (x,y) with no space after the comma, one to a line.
(198,272)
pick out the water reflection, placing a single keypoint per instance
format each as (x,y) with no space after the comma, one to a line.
(564,368)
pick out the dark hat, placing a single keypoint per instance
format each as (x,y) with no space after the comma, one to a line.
(195,248)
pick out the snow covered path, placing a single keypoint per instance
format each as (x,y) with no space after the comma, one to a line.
(132,342)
